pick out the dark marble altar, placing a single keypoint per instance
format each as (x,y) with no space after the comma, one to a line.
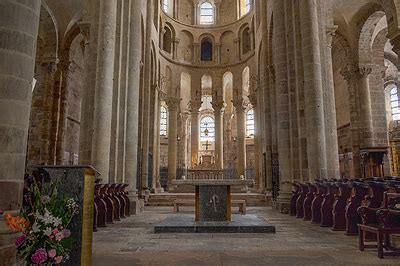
(214,203)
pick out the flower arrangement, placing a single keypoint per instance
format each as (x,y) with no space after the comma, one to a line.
(44,222)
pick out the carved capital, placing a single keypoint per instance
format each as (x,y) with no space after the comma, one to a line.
(218,105)
(330,33)
(194,106)
(348,73)
(173,103)
(239,104)
(253,99)
(364,71)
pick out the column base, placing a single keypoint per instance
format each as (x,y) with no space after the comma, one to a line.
(135,204)
(283,203)
(8,250)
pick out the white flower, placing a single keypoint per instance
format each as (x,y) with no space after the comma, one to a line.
(48,231)
(35,227)
(56,221)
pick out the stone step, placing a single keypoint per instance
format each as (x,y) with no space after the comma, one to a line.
(167,199)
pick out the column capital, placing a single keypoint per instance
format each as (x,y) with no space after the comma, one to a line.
(330,33)
(218,106)
(195,106)
(395,41)
(177,40)
(364,71)
(239,104)
(349,73)
(173,103)
(253,99)
(162,95)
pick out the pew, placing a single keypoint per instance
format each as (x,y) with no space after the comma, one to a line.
(100,207)
(307,211)
(300,201)
(339,207)
(121,200)
(109,204)
(127,201)
(317,203)
(116,203)
(382,223)
(295,195)
(360,190)
(327,204)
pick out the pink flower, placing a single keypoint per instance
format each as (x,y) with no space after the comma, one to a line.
(55,231)
(59,236)
(52,253)
(58,259)
(51,236)
(20,241)
(40,256)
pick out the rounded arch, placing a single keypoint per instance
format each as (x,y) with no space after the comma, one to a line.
(185,47)
(366,37)
(206,47)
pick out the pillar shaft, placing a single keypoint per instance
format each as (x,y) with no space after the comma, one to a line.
(241,137)
(219,133)
(316,144)
(332,152)
(195,136)
(365,107)
(104,87)
(18,31)
(173,106)
(132,100)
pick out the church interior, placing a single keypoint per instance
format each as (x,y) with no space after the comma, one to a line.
(287,109)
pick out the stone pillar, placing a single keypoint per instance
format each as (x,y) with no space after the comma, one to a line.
(219,132)
(237,49)
(104,88)
(332,151)
(282,108)
(241,136)
(218,53)
(258,182)
(173,107)
(196,53)
(18,30)
(315,120)
(195,133)
(132,102)
(175,46)
(367,134)
(147,99)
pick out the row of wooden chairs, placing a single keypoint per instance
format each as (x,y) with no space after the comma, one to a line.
(336,203)
(111,203)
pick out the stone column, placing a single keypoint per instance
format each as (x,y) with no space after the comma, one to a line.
(332,151)
(18,30)
(132,102)
(173,107)
(218,52)
(241,136)
(196,53)
(104,87)
(282,108)
(315,120)
(146,99)
(195,134)
(365,107)
(175,46)
(237,49)
(219,106)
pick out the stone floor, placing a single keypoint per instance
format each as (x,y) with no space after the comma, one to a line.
(132,242)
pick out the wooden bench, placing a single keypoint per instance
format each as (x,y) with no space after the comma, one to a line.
(189,202)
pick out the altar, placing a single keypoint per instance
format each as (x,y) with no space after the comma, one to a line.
(213,198)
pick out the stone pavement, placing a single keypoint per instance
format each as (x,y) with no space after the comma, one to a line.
(132,242)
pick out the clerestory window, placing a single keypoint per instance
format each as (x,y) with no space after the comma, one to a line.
(206,14)
(250,129)
(394,102)
(163,121)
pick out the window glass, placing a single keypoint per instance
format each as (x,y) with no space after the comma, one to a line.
(206,14)
(394,101)
(207,129)
(163,121)
(250,124)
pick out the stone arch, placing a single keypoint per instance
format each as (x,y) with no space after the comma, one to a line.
(366,37)
(206,49)
(167,39)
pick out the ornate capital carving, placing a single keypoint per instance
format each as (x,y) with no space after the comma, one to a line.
(194,106)
(330,33)
(173,103)
(253,99)
(218,105)
(349,73)
(364,71)
(239,104)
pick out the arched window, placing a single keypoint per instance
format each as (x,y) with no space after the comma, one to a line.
(206,50)
(206,14)
(250,124)
(207,129)
(394,102)
(163,121)
(167,40)
(244,7)
(246,41)
(165,5)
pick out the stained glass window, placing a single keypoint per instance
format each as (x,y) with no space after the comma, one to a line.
(163,121)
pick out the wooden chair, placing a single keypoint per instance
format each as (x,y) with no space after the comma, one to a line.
(317,203)
(307,211)
(360,190)
(339,207)
(300,201)
(327,204)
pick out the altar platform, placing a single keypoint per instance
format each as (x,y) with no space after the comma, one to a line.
(185,223)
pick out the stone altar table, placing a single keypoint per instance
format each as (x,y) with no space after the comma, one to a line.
(213,198)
